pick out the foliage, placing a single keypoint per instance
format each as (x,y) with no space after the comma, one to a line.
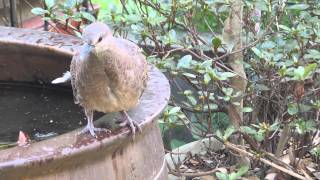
(65,13)
(234,175)
(188,41)
(316,151)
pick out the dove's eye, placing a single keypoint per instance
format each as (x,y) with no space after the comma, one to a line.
(100,39)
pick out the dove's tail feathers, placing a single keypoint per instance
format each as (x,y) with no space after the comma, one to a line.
(65,78)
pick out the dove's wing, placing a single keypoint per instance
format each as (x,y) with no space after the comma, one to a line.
(137,58)
(73,73)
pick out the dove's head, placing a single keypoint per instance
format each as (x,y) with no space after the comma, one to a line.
(94,36)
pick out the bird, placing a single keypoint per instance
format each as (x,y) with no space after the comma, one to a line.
(107,74)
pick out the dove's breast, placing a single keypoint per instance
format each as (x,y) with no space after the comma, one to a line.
(97,90)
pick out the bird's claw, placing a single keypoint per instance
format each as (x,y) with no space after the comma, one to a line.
(92,131)
(133,125)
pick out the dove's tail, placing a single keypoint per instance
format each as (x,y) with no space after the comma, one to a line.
(65,78)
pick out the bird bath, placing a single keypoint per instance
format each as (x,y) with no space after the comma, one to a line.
(29,61)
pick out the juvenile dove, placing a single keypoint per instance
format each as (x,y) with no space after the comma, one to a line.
(107,74)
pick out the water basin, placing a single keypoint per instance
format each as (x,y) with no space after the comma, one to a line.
(29,61)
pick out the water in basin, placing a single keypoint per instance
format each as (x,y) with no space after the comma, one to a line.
(37,110)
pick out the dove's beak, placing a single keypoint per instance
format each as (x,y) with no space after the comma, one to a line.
(86,49)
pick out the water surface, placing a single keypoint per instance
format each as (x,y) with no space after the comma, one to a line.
(38,110)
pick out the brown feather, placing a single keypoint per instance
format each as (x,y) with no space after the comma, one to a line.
(111,78)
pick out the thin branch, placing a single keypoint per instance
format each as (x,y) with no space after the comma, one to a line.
(190,109)
(246,153)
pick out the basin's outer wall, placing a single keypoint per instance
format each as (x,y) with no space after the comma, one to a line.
(141,159)
(117,157)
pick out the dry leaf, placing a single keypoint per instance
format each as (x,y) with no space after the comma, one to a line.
(194,162)
(298,90)
(23,139)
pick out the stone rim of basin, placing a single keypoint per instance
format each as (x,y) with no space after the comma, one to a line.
(154,100)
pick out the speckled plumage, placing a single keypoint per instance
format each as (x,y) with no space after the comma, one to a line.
(111,76)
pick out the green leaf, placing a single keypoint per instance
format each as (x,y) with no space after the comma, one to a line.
(206,78)
(211,105)
(292,109)
(70,4)
(50,3)
(185,62)
(298,7)
(187,92)
(155,18)
(309,69)
(235,103)
(222,176)
(225,75)
(316,151)
(248,130)
(246,109)
(192,100)
(298,73)
(216,42)
(228,132)
(261,5)
(219,134)
(302,73)
(88,16)
(274,126)
(227,91)
(303,126)
(283,71)
(133,18)
(257,52)
(213,75)
(190,75)
(39,11)
(268,45)
(242,171)
(312,54)
(284,28)
(259,136)
(172,36)
(206,64)
(174,110)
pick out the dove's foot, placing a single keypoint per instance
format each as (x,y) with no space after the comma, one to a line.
(92,130)
(90,127)
(127,121)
